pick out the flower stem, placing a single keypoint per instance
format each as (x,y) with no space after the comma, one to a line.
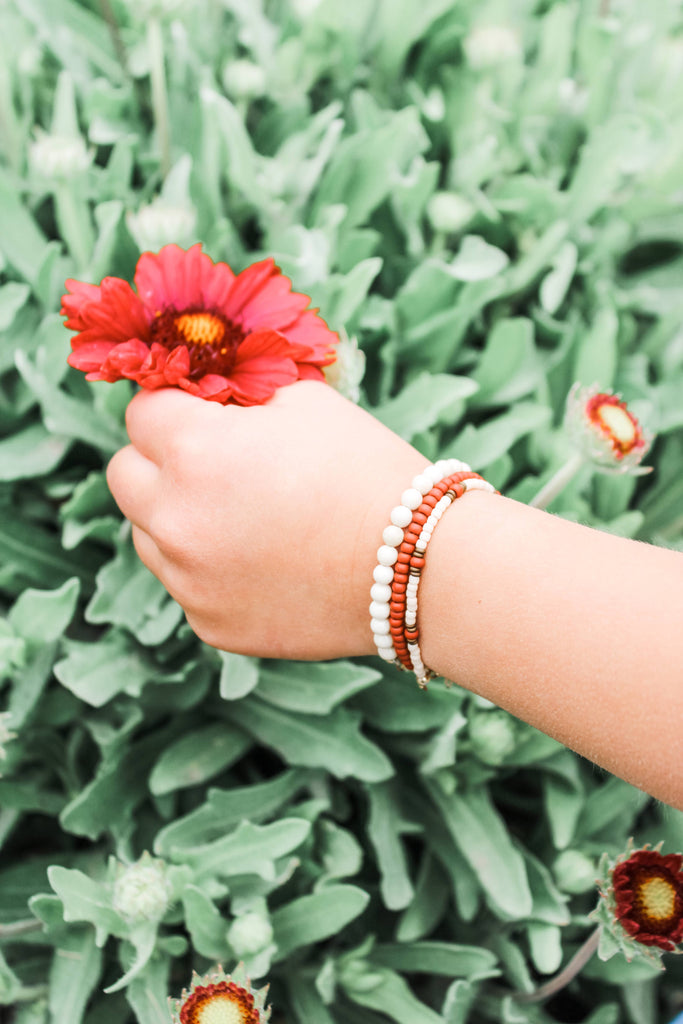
(577,963)
(558,482)
(155,43)
(14,928)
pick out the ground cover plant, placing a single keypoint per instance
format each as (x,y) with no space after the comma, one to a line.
(484,199)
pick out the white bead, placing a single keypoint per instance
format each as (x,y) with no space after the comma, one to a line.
(379,625)
(411,604)
(380,592)
(382,641)
(421,545)
(379,610)
(412,498)
(422,483)
(401,516)
(388,653)
(383,574)
(387,555)
(393,536)
(410,619)
(434,474)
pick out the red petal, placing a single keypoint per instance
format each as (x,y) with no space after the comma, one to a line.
(246,285)
(308,372)
(89,357)
(181,279)
(111,312)
(256,381)
(274,306)
(271,343)
(312,331)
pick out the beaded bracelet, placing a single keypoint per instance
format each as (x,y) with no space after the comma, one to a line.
(401,559)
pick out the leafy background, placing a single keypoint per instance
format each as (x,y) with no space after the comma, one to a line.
(486,196)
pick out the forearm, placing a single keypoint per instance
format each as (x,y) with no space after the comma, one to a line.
(573,630)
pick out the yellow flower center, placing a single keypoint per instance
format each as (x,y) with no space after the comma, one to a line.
(221,1009)
(201,329)
(658,898)
(619,424)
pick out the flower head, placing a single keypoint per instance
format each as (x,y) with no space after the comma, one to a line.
(220,998)
(142,890)
(194,324)
(642,901)
(606,431)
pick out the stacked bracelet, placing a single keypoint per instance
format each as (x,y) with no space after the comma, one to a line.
(402,557)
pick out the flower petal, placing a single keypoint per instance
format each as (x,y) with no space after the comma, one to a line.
(111,312)
(274,306)
(181,279)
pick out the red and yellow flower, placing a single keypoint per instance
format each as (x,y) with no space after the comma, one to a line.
(219,998)
(605,430)
(195,324)
(642,901)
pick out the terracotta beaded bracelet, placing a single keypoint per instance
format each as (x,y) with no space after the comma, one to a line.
(401,559)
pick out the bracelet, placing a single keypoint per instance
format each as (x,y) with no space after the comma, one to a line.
(401,558)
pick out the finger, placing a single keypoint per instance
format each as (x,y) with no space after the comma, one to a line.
(155,418)
(133,481)
(148,552)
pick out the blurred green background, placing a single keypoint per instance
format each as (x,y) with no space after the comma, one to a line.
(487,199)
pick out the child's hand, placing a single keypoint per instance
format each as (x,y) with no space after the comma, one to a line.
(263,522)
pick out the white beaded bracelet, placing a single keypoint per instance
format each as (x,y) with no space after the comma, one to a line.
(387,554)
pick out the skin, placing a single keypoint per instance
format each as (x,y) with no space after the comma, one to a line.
(263,523)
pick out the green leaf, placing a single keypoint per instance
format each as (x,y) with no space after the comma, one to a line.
(480,834)
(477,260)
(21,240)
(208,930)
(555,284)
(250,849)
(74,974)
(42,616)
(86,900)
(148,992)
(142,937)
(316,916)
(383,832)
(225,808)
(447,958)
(12,297)
(545,944)
(480,446)
(427,400)
(509,367)
(31,452)
(596,353)
(97,672)
(129,596)
(197,756)
(333,742)
(310,687)
(387,992)
(239,675)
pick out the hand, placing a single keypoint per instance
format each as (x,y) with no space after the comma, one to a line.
(263,522)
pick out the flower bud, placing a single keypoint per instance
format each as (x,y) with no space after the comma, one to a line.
(243,79)
(574,871)
(59,157)
(160,223)
(605,431)
(250,933)
(142,890)
(492,736)
(487,46)
(449,212)
(346,372)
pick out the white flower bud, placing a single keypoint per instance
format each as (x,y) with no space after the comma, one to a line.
(142,890)
(243,79)
(59,157)
(159,223)
(346,372)
(449,212)
(493,736)
(486,46)
(250,933)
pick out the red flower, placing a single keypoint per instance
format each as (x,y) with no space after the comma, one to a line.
(220,998)
(196,325)
(648,898)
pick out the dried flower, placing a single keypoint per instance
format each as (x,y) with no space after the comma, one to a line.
(142,890)
(606,431)
(220,998)
(641,902)
(195,325)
